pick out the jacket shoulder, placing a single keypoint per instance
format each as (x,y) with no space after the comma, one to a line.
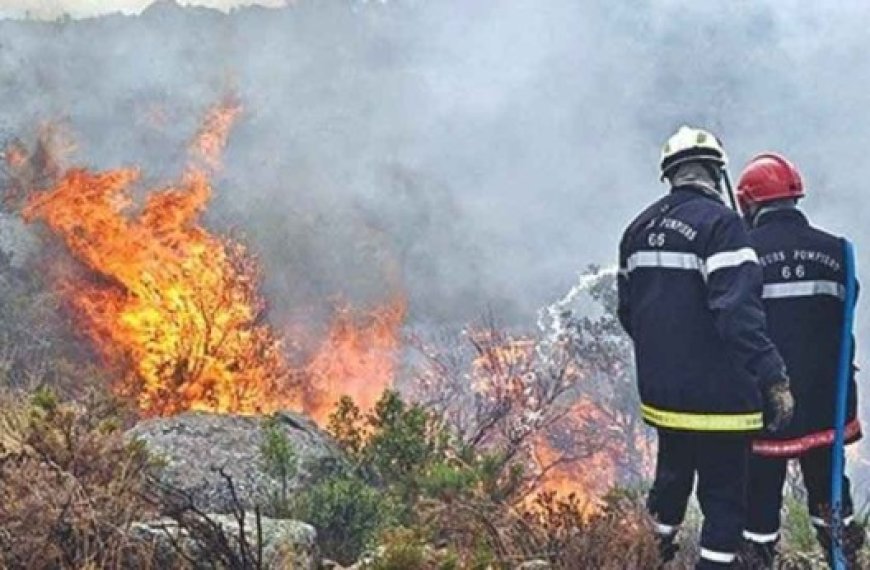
(824,236)
(645,215)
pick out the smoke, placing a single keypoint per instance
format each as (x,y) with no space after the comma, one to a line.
(53,9)
(475,154)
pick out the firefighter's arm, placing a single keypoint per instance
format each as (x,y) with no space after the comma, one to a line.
(623,309)
(734,285)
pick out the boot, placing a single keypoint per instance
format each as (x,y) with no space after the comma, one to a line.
(667,548)
(756,556)
(854,537)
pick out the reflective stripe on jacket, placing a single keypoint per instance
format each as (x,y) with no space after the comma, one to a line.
(689,297)
(804,287)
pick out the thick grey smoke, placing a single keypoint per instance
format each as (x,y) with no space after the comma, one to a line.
(475,153)
(489,149)
(478,153)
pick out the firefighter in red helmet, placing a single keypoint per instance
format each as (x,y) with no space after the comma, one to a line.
(803,298)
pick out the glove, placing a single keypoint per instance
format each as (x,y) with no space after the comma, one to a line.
(778,405)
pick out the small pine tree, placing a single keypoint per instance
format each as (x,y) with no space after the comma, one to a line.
(278,455)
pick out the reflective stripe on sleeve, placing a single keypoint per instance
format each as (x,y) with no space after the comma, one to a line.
(716,556)
(803,289)
(725,259)
(759,538)
(664,260)
(702,422)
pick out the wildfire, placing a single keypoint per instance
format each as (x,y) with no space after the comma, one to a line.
(570,458)
(574,444)
(211,139)
(355,359)
(174,309)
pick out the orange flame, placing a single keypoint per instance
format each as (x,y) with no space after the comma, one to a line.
(356,359)
(588,474)
(574,447)
(211,139)
(175,309)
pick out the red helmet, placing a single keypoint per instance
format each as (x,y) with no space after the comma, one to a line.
(767,177)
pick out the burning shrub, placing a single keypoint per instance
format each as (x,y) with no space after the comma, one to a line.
(562,403)
(618,536)
(70,485)
(173,308)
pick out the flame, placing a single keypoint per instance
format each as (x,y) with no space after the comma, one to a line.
(357,359)
(175,309)
(210,141)
(502,367)
(575,445)
(588,472)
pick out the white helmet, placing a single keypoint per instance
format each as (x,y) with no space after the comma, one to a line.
(689,144)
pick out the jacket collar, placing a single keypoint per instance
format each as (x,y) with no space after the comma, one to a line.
(699,190)
(781,215)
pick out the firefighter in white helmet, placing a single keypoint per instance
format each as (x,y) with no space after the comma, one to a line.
(708,374)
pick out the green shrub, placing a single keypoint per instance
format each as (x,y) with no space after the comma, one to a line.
(399,549)
(348,514)
(278,456)
(446,482)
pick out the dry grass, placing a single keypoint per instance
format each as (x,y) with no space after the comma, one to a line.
(70,486)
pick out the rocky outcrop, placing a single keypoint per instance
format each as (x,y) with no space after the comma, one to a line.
(195,447)
(284,544)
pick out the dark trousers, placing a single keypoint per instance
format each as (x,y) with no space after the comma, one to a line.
(721,464)
(765,492)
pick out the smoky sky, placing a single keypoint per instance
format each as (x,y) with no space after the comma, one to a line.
(474,154)
(52,9)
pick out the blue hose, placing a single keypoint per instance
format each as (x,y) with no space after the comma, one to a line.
(843,379)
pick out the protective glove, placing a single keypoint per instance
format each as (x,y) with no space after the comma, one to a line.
(778,405)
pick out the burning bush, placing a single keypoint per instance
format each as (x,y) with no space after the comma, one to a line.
(562,402)
(618,536)
(174,309)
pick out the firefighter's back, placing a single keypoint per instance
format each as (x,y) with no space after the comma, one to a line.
(803,296)
(669,254)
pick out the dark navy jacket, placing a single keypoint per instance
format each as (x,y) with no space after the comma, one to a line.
(804,285)
(690,298)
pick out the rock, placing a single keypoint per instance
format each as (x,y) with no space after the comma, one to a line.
(193,446)
(287,544)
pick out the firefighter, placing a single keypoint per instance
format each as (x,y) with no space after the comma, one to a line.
(690,299)
(804,286)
